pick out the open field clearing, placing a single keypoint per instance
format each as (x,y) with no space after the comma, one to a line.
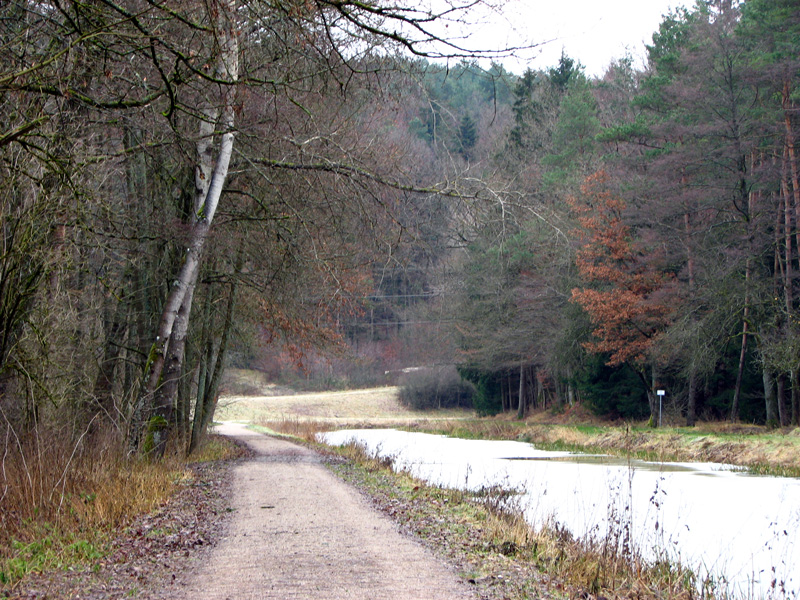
(377,406)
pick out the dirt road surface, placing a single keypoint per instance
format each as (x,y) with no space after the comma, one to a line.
(299,533)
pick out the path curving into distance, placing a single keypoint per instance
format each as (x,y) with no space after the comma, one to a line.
(298,532)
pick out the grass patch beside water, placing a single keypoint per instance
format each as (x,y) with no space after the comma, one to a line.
(755,449)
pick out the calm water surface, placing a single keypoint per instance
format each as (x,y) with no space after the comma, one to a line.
(737,528)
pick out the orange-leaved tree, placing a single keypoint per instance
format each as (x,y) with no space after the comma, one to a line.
(627,297)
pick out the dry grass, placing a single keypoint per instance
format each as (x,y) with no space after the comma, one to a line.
(59,504)
(303,429)
(487,428)
(216,447)
(377,406)
(608,566)
(603,567)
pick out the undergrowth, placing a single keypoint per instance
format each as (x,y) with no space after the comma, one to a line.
(62,502)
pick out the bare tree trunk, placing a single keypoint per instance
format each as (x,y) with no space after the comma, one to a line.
(209,194)
(521,404)
(780,400)
(206,356)
(187,384)
(116,328)
(541,394)
(104,382)
(737,391)
(653,398)
(788,108)
(505,391)
(165,395)
(691,411)
(570,389)
(789,256)
(214,362)
(212,387)
(769,396)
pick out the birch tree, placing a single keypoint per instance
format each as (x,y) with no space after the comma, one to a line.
(165,361)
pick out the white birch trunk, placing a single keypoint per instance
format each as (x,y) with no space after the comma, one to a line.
(209,185)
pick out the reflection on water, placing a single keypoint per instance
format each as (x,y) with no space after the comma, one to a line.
(738,528)
(603,459)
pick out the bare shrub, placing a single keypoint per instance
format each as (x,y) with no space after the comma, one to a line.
(435,388)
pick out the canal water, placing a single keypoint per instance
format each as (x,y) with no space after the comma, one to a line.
(738,529)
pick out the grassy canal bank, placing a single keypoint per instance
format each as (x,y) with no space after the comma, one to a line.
(750,447)
(485,537)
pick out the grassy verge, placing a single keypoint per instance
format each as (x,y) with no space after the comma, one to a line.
(495,549)
(61,510)
(60,514)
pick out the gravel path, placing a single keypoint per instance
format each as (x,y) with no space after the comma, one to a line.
(300,533)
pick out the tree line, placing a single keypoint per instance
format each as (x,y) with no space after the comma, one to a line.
(653,241)
(638,231)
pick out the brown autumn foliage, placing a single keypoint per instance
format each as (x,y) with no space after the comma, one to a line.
(625,296)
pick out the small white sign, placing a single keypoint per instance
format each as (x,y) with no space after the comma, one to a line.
(660,392)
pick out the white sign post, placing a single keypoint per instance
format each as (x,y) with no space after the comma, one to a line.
(660,402)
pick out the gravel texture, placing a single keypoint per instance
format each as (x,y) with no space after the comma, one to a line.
(299,532)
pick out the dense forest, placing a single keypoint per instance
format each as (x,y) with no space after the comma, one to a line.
(643,234)
(331,193)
